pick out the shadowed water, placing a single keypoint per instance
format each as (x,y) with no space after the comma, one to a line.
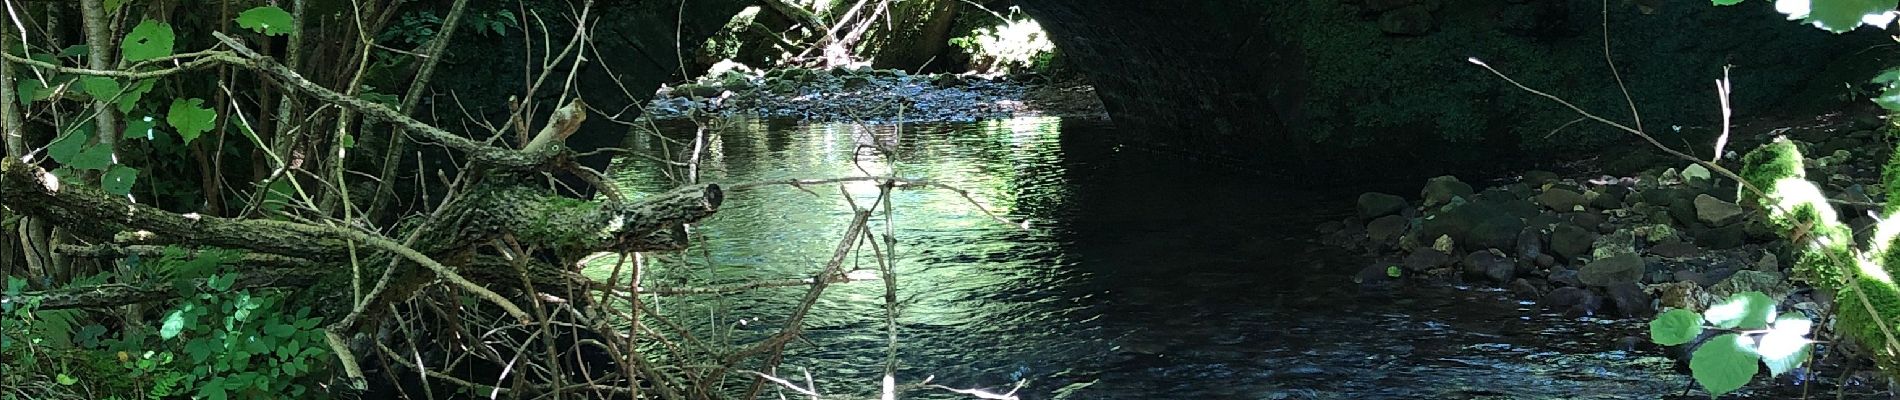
(1139,278)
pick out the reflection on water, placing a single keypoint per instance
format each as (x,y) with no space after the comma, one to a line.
(1140,278)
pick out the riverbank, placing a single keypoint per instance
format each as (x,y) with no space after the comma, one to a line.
(871,95)
(1588,243)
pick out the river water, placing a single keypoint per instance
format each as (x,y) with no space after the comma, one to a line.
(1138,278)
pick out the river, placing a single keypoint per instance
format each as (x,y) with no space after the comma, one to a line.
(1138,277)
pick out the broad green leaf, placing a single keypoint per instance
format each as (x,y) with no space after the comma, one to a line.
(119,179)
(1746,310)
(1392,271)
(278,194)
(140,127)
(66,380)
(1724,364)
(190,118)
(280,330)
(1675,327)
(101,88)
(1727,2)
(95,157)
(149,40)
(133,93)
(174,323)
(1786,345)
(1887,77)
(1839,15)
(69,144)
(268,20)
(1889,99)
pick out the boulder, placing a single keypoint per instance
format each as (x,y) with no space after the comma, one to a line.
(1561,199)
(1715,212)
(1622,268)
(1629,299)
(1570,241)
(1440,190)
(1613,244)
(1490,265)
(1572,301)
(1726,237)
(1565,277)
(1387,229)
(1374,205)
(1426,260)
(1499,232)
(1537,178)
(1604,200)
(1523,289)
(1530,244)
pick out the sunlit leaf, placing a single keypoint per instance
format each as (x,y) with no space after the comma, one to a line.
(174,323)
(149,40)
(268,20)
(1724,364)
(1786,345)
(1886,77)
(1746,310)
(1727,2)
(190,118)
(1675,327)
(119,179)
(66,380)
(1392,271)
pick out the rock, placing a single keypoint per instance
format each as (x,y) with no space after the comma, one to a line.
(854,82)
(1622,268)
(1604,200)
(1657,233)
(1613,244)
(1491,265)
(696,90)
(1561,200)
(1387,229)
(1524,290)
(1572,301)
(1444,244)
(1696,176)
(1425,260)
(1565,278)
(1376,273)
(1374,205)
(1727,237)
(1439,191)
(1683,211)
(1629,299)
(1545,260)
(1530,244)
(1684,295)
(1330,227)
(1413,20)
(1570,241)
(1769,283)
(1715,212)
(1495,233)
(1537,178)
(1768,263)
(1674,249)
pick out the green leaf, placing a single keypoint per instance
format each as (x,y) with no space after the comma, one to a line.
(66,380)
(68,146)
(133,93)
(101,88)
(1889,99)
(1675,327)
(190,118)
(1836,15)
(119,179)
(1746,310)
(1786,345)
(140,127)
(1392,271)
(280,330)
(149,40)
(174,323)
(268,20)
(1887,77)
(1724,364)
(94,157)
(1727,2)
(112,6)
